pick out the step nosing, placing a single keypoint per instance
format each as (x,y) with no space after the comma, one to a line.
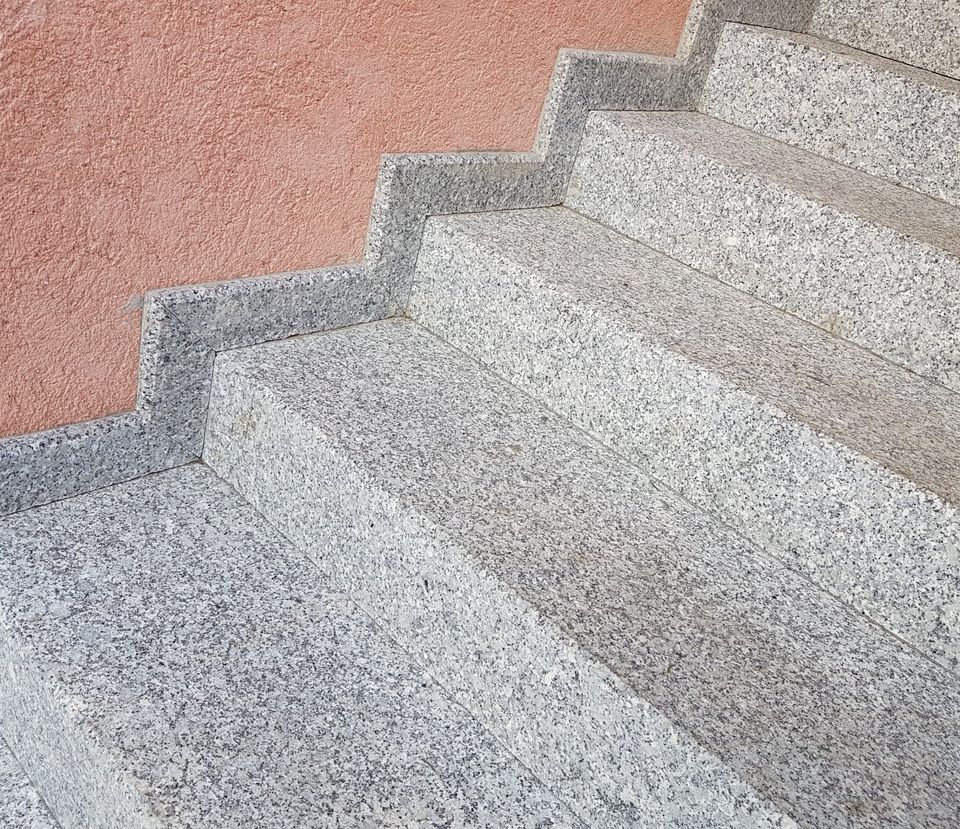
(549,276)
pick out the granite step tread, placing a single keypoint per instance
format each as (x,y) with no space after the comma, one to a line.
(650,665)
(889,119)
(924,33)
(20,804)
(840,463)
(169,660)
(864,258)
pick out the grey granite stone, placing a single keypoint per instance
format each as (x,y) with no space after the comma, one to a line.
(20,803)
(885,118)
(175,369)
(409,188)
(841,464)
(59,463)
(862,257)
(168,660)
(922,32)
(250,311)
(652,666)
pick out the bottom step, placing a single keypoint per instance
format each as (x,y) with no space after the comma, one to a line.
(167,660)
(651,666)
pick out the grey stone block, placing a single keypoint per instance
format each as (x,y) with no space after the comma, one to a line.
(842,465)
(653,667)
(20,803)
(59,463)
(168,660)
(864,258)
(922,32)
(885,118)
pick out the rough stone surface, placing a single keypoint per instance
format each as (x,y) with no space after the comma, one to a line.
(20,804)
(643,660)
(841,464)
(169,660)
(864,258)
(885,118)
(922,32)
(36,469)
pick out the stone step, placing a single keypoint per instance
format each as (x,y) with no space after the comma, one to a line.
(924,33)
(20,803)
(651,666)
(168,660)
(842,465)
(886,118)
(870,261)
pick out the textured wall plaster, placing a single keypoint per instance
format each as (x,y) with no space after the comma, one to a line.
(156,143)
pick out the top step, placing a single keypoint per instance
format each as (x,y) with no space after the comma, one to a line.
(885,118)
(921,32)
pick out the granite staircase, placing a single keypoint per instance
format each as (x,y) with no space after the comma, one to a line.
(645,512)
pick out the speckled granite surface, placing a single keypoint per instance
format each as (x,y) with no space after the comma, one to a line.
(20,804)
(873,262)
(846,467)
(617,639)
(885,118)
(922,32)
(168,660)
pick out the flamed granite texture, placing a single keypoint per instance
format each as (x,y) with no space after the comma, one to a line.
(20,803)
(168,660)
(839,463)
(922,32)
(864,258)
(43,467)
(885,118)
(651,666)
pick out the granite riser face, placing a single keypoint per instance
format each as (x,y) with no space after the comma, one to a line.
(167,660)
(43,467)
(886,119)
(862,531)
(801,237)
(20,804)
(396,465)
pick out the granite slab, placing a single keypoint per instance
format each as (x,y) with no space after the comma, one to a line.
(886,118)
(649,664)
(924,33)
(841,464)
(167,659)
(868,260)
(20,803)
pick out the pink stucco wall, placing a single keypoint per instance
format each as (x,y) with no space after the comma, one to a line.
(146,143)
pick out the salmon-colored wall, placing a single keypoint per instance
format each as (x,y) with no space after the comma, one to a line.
(146,143)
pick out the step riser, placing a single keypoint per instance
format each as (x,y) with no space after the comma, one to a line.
(895,296)
(20,803)
(563,715)
(74,776)
(818,506)
(853,108)
(919,32)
